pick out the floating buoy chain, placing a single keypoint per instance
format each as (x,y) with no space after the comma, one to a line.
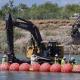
(45,67)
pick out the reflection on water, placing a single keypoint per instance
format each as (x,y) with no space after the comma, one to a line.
(38,76)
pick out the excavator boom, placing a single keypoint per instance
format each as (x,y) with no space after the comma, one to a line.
(32,29)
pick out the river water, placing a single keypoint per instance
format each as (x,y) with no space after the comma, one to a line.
(40,75)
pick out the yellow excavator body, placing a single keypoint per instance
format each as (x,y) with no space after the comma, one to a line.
(30,51)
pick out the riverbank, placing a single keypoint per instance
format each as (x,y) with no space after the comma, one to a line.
(56,30)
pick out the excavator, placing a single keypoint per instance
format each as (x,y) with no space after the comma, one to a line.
(45,50)
(75,31)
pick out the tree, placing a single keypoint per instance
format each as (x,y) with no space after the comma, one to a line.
(0,13)
(11,2)
(71,9)
(47,10)
(8,7)
(44,11)
(22,10)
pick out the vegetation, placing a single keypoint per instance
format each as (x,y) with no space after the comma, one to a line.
(43,11)
(3,39)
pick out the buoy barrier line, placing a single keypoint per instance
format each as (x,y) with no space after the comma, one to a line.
(45,67)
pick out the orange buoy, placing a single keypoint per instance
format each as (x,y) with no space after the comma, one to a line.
(4,67)
(45,67)
(35,67)
(14,67)
(76,68)
(24,67)
(66,68)
(0,67)
(55,68)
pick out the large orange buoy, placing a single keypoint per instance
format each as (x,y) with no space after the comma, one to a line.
(0,67)
(76,68)
(55,68)
(66,68)
(24,67)
(45,67)
(35,67)
(4,67)
(14,67)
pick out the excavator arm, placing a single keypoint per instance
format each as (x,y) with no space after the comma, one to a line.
(29,26)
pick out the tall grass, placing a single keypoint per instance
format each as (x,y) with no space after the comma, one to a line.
(3,39)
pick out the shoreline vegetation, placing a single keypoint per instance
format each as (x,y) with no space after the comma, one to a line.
(45,11)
